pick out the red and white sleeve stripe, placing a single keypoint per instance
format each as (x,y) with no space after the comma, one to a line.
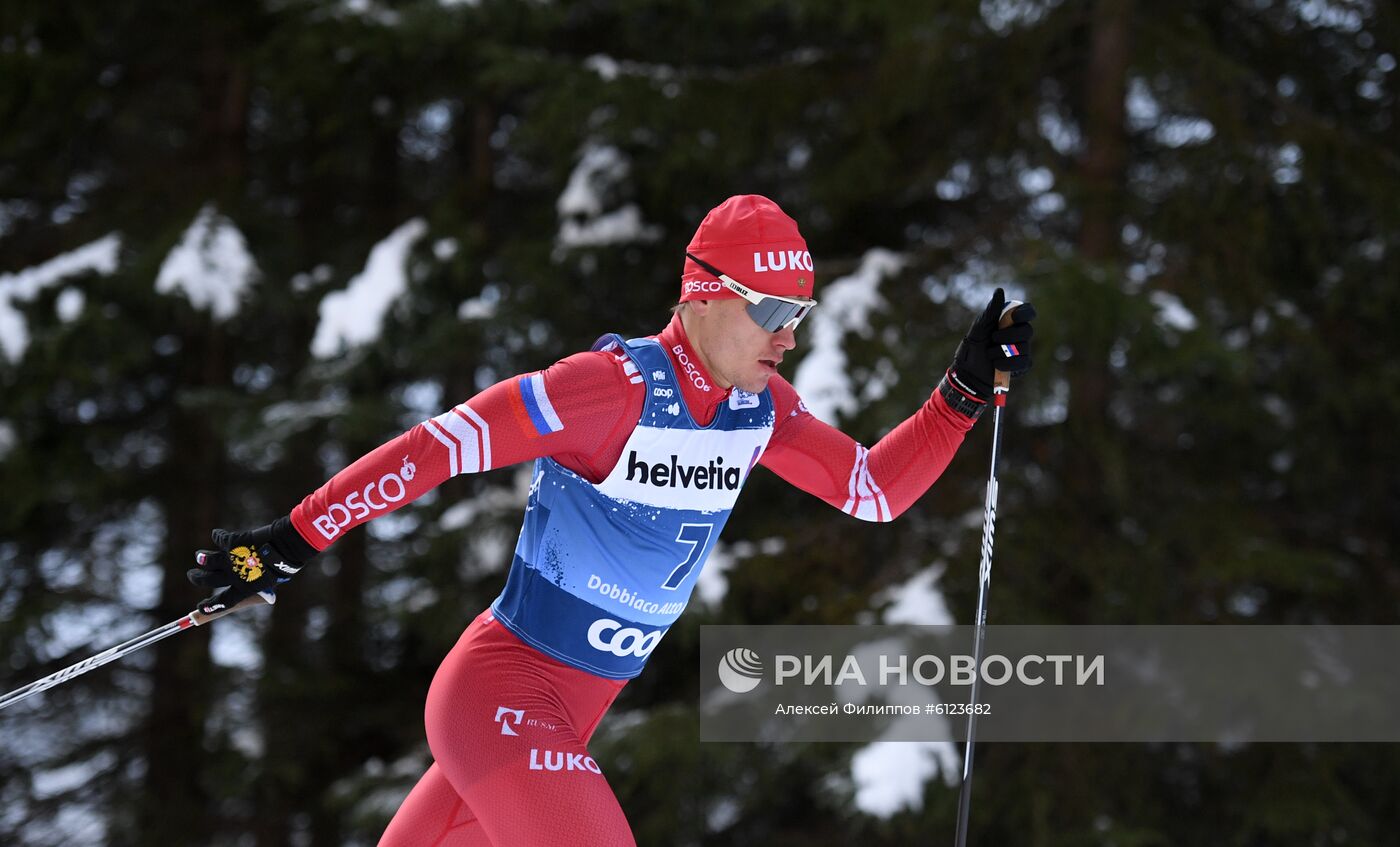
(515,420)
(876,484)
(467,437)
(864,498)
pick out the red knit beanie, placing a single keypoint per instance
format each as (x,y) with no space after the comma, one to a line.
(755,243)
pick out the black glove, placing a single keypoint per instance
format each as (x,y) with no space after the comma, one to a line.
(987,348)
(247,562)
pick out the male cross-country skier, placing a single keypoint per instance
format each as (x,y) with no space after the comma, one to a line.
(640,447)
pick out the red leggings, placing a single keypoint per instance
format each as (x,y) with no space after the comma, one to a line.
(507,727)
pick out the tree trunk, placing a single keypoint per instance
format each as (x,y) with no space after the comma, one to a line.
(1103,175)
(1106,143)
(173,806)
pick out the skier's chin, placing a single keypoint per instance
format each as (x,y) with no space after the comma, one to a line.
(754,384)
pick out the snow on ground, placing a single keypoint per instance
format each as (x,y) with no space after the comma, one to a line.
(354,317)
(583,219)
(211,265)
(99,256)
(918,601)
(846,303)
(890,775)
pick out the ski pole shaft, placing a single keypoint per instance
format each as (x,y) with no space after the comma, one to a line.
(1002,384)
(128,647)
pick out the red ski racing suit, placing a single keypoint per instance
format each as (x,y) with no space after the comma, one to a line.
(639,457)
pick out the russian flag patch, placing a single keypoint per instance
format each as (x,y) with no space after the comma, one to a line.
(1010,350)
(537,406)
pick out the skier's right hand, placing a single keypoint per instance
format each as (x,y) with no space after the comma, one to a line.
(248,561)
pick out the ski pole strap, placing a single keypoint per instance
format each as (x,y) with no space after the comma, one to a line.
(959,400)
(198,618)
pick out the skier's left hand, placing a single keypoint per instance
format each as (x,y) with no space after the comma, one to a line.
(248,561)
(988,348)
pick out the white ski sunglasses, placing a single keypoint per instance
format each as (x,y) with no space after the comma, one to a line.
(769,311)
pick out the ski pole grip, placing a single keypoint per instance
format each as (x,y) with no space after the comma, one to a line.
(1002,379)
(262,598)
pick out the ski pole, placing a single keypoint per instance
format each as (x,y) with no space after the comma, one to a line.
(111,654)
(1002,384)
